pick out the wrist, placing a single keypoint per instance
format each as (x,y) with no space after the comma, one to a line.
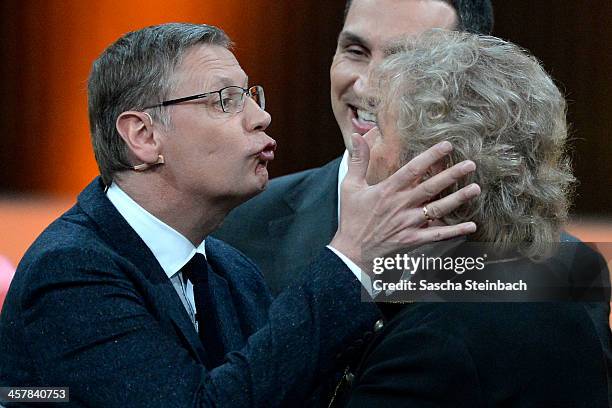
(348,249)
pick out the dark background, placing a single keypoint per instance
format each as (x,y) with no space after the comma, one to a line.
(287,46)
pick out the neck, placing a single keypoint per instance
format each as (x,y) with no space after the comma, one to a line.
(192,217)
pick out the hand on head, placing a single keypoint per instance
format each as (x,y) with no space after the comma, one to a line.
(375,218)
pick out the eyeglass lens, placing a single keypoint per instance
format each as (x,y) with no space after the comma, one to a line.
(232,98)
(257,94)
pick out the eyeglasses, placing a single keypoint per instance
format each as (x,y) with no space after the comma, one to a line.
(229,99)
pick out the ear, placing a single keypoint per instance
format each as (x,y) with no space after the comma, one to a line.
(136,130)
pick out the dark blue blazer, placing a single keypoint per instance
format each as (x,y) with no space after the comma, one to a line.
(90,308)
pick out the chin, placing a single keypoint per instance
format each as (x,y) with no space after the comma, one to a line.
(236,199)
(256,190)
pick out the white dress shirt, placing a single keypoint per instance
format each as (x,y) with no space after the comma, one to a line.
(342,170)
(364,278)
(171,249)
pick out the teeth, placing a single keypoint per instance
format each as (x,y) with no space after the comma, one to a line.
(366,116)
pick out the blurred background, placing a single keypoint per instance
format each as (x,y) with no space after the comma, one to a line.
(47,47)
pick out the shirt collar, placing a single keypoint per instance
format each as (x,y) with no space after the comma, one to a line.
(342,170)
(171,249)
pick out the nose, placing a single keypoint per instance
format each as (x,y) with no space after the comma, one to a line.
(256,118)
(360,85)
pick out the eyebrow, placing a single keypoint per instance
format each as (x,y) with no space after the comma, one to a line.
(224,81)
(348,37)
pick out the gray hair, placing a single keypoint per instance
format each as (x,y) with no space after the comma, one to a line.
(132,73)
(475,16)
(497,106)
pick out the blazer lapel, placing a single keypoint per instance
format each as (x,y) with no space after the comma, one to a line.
(230,332)
(118,233)
(313,218)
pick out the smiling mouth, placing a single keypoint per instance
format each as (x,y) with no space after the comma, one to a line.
(362,120)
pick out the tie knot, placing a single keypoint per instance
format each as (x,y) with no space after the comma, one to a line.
(196,270)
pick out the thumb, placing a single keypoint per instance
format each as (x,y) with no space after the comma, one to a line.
(360,157)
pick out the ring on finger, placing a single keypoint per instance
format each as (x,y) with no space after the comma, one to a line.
(426,214)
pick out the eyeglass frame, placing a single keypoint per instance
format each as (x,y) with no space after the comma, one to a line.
(245,91)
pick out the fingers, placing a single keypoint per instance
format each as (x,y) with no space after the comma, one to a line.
(432,234)
(417,167)
(439,208)
(358,163)
(430,213)
(432,187)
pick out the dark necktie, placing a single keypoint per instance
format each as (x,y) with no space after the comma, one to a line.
(198,272)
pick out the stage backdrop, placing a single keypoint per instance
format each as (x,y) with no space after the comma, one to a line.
(47,47)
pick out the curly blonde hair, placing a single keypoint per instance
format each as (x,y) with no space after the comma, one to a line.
(497,106)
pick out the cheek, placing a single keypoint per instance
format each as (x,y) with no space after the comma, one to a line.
(377,165)
(384,161)
(340,75)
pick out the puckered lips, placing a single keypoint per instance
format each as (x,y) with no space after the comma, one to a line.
(362,120)
(264,156)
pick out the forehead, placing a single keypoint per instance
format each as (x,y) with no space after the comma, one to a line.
(379,21)
(207,66)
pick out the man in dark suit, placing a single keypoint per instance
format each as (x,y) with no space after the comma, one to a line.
(127,301)
(283,228)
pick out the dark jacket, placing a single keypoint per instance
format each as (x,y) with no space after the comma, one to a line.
(476,355)
(90,308)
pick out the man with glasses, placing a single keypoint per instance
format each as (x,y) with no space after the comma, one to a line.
(128,302)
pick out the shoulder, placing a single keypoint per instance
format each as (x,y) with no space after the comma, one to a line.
(475,321)
(263,207)
(290,181)
(234,265)
(490,348)
(277,200)
(284,187)
(70,235)
(69,252)
(218,251)
(537,337)
(587,270)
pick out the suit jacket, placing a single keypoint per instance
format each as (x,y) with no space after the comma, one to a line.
(283,228)
(482,355)
(90,308)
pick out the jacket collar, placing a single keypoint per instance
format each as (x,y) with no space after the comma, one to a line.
(115,230)
(318,188)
